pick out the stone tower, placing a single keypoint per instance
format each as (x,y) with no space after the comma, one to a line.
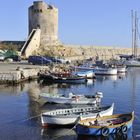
(45,17)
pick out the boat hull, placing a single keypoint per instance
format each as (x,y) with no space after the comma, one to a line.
(69,101)
(76,99)
(121,69)
(71,116)
(113,124)
(105,71)
(54,79)
(132,63)
(97,131)
(86,73)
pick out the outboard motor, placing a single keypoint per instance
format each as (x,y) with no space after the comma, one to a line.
(98,96)
(70,95)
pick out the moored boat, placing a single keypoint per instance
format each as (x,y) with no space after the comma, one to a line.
(71,116)
(62,78)
(89,74)
(71,98)
(106,125)
(121,69)
(132,63)
(105,71)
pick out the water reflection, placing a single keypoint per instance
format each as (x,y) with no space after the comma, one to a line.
(69,133)
(19,88)
(58,133)
(102,78)
(121,75)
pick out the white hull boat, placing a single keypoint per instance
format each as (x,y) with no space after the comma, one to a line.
(73,115)
(121,69)
(132,63)
(82,68)
(87,74)
(71,98)
(105,71)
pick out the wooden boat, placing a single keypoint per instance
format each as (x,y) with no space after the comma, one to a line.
(127,136)
(62,78)
(106,125)
(71,98)
(72,115)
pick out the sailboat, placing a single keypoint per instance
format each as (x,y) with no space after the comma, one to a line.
(135,61)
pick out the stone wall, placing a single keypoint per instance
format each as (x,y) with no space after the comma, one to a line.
(76,52)
(16,76)
(82,52)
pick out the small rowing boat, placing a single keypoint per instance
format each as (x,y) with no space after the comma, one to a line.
(71,98)
(71,116)
(106,125)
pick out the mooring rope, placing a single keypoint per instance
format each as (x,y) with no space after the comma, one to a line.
(31,118)
(20,121)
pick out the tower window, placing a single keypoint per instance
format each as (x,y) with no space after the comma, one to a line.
(38,26)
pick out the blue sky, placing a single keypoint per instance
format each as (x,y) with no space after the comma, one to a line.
(82,22)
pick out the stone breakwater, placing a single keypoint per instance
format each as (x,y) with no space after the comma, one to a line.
(10,74)
(105,53)
(76,52)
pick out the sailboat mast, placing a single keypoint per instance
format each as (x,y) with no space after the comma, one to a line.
(135,35)
(132,23)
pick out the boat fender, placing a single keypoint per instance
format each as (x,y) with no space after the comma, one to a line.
(118,130)
(105,131)
(124,129)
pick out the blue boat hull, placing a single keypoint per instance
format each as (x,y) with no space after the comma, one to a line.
(83,130)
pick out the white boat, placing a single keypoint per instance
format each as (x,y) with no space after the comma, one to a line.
(121,69)
(105,71)
(132,63)
(99,70)
(87,73)
(73,115)
(71,98)
(82,68)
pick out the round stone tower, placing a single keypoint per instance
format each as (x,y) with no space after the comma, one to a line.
(45,17)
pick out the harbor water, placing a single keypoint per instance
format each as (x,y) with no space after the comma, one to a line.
(20,111)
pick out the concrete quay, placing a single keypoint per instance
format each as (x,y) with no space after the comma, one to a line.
(17,72)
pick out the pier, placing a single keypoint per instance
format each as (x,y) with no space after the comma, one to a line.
(16,72)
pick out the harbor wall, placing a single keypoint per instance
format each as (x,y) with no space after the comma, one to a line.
(17,76)
(75,52)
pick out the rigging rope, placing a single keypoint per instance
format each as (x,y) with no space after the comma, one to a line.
(31,118)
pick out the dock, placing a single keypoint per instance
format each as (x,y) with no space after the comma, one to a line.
(17,72)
